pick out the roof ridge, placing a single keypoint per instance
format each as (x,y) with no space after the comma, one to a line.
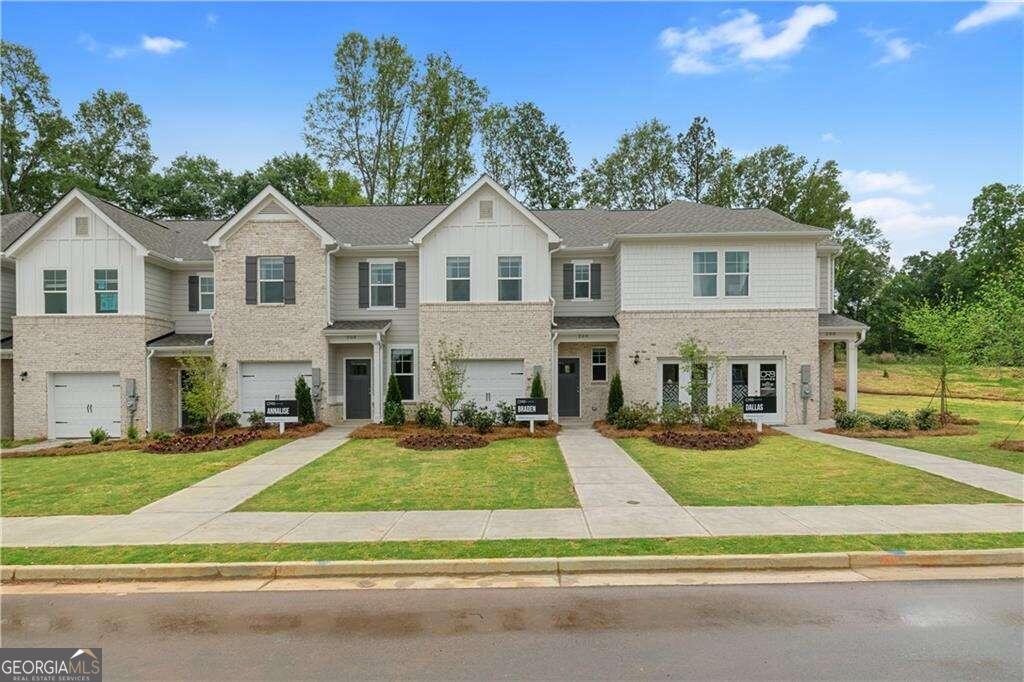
(124,210)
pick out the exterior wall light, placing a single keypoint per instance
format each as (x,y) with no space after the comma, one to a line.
(23,376)
(636,358)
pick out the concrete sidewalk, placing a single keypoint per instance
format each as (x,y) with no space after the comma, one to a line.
(993,479)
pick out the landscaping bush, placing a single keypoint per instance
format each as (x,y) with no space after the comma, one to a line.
(926,419)
(849,421)
(442,441)
(723,418)
(483,422)
(97,436)
(133,434)
(203,443)
(536,387)
(635,416)
(160,436)
(839,405)
(257,420)
(506,414)
(672,416)
(707,440)
(228,420)
(467,413)
(305,401)
(394,411)
(429,415)
(897,420)
(615,398)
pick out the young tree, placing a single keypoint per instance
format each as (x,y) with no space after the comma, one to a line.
(449,375)
(394,411)
(640,172)
(615,398)
(304,398)
(206,395)
(700,360)
(536,387)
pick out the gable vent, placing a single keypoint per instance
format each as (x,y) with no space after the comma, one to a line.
(81,226)
(272,208)
(486,210)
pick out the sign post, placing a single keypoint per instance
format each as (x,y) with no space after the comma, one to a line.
(531,410)
(281,412)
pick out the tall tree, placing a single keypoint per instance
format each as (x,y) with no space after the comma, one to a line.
(243,188)
(700,160)
(772,178)
(528,155)
(448,104)
(193,187)
(639,173)
(305,182)
(822,200)
(362,121)
(33,132)
(862,268)
(111,151)
(1000,313)
(994,228)
(723,191)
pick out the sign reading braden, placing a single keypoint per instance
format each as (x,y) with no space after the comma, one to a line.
(531,409)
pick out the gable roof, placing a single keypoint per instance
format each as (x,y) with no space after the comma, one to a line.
(13,225)
(268,195)
(686,217)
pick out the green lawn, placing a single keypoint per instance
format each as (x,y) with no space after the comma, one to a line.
(783,470)
(917,375)
(368,551)
(997,419)
(108,482)
(362,475)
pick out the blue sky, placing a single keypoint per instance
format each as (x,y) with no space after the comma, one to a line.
(920,103)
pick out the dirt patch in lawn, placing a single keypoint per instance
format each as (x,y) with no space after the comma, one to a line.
(947,430)
(374,431)
(1011,445)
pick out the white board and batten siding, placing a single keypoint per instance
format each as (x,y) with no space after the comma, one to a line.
(59,249)
(658,275)
(188,321)
(463,233)
(606,305)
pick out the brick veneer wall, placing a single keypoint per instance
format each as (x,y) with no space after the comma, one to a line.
(593,394)
(826,365)
(6,398)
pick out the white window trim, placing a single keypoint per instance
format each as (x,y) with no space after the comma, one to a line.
(67,296)
(415,368)
(726,274)
(468,278)
(599,364)
(393,285)
(209,276)
(260,280)
(521,278)
(589,280)
(106,291)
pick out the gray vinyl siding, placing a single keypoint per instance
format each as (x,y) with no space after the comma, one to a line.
(345,296)
(7,299)
(185,320)
(608,303)
(158,291)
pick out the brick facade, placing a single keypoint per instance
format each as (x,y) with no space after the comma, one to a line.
(6,398)
(593,394)
(827,366)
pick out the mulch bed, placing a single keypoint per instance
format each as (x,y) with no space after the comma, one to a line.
(948,430)
(1011,445)
(707,440)
(373,431)
(442,440)
(609,431)
(203,442)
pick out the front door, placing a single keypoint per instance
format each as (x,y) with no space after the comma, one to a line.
(568,387)
(357,389)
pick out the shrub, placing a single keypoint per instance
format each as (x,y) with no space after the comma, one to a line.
(635,416)
(429,415)
(506,414)
(839,405)
(228,420)
(394,411)
(885,374)
(483,421)
(536,387)
(305,401)
(926,419)
(257,420)
(849,421)
(98,435)
(132,433)
(615,398)
(674,415)
(722,417)
(467,413)
(160,436)
(900,420)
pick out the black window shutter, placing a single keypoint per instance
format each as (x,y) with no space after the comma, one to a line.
(193,293)
(595,281)
(364,284)
(567,283)
(250,280)
(289,279)
(400,284)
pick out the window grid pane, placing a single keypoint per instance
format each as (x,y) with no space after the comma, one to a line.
(272,268)
(106,280)
(55,280)
(705,285)
(382,273)
(402,369)
(510,266)
(55,302)
(272,292)
(737,261)
(458,290)
(458,267)
(382,295)
(599,364)
(510,290)
(737,285)
(705,262)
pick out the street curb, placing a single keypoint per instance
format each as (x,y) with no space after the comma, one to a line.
(549,565)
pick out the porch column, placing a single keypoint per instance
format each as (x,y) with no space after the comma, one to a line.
(851,374)
(553,381)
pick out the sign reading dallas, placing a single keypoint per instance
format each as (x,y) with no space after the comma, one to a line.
(531,409)
(281,411)
(755,404)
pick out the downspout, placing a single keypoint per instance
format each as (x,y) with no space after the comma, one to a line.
(329,268)
(378,398)
(149,394)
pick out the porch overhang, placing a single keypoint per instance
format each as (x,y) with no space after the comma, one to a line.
(356,331)
(832,327)
(173,345)
(585,329)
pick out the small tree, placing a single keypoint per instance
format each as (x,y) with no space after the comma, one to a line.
(700,360)
(449,376)
(206,394)
(615,398)
(394,412)
(305,400)
(536,387)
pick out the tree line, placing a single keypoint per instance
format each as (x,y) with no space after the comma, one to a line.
(393,129)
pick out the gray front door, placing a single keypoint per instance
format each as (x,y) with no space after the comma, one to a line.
(357,389)
(568,387)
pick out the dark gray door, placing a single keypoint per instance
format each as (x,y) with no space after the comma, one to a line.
(357,389)
(568,387)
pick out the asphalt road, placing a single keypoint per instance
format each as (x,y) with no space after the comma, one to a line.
(915,630)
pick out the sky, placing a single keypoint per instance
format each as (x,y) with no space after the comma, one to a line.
(921,104)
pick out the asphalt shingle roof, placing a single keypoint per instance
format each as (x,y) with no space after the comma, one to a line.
(833,320)
(13,225)
(686,217)
(179,340)
(593,323)
(357,325)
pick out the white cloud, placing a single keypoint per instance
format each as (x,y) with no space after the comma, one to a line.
(910,226)
(741,39)
(88,43)
(161,44)
(829,137)
(895,48)
(989,14)
(212,19)
(870,182)
(117,52)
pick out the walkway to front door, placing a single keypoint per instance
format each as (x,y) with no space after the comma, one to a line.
(568,387)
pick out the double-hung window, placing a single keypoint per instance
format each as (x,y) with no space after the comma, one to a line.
(737,273)
(271,279)
(105,289)
(599,364)
(705,273)
(457,278)
(382,285)
(55,292)
(205,292)
(402,368)
(581,281)
(510,278)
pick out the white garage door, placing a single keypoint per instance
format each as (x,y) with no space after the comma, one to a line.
(82,402)
(489,382)
(270,381)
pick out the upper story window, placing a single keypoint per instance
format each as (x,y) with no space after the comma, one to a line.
(271,279)
(55,292)
(382,285)
(581,280)
(486,210)
(403,369)
(737,273)
(105,290)
(457,278)
(705,273)
(81,226)
(206,292)
(510,278)
(599,364)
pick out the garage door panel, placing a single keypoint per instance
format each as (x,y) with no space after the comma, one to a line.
(82,402)
(489,382)
(261,381)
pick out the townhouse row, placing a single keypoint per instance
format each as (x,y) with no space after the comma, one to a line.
(99,305)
